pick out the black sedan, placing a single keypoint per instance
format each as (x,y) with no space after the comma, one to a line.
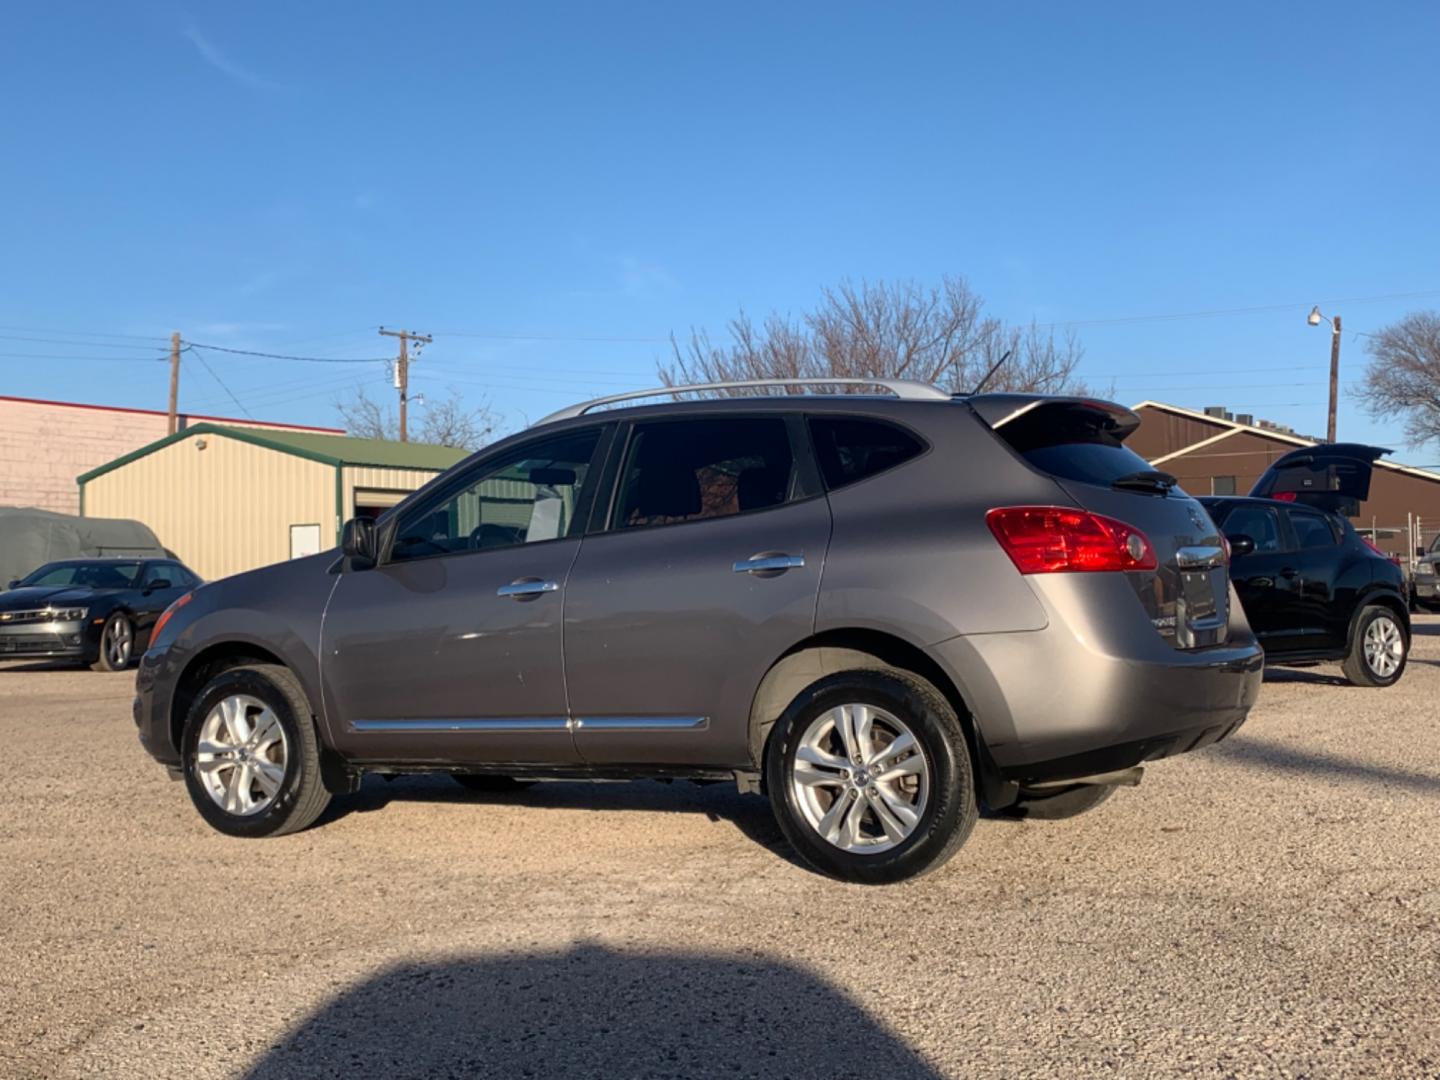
(1312,587)
(99,611)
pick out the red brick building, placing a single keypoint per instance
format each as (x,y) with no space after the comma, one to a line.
(1225,454)
(45,445)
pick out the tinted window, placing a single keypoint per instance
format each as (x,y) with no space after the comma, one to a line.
(1073,442)
(1260,523)
(851,449)
(692,469)
(105,575)
(526,497)
(1312,530)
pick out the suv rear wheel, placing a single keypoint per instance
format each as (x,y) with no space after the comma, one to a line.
(869,776)
(1379,649)
(252,762)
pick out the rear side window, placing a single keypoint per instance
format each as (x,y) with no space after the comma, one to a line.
(687,470)
(851,448)
(1072,444)
(1312,530)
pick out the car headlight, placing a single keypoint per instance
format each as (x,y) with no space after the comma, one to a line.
(74,614)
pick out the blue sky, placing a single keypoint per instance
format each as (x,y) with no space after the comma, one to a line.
(551,190)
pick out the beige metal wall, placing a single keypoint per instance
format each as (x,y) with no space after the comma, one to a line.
(374,478)
(223,509)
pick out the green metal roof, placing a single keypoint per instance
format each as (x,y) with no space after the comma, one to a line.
(330,449)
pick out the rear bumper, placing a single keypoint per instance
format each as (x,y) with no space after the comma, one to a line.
(1097,689)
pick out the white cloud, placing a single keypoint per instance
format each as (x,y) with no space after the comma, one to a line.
(220,62)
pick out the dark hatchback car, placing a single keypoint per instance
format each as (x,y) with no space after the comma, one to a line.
(1312,587)
(97,611)
(885,612)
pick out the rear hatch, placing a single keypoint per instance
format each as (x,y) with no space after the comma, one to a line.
(1329,476)
(1079,442)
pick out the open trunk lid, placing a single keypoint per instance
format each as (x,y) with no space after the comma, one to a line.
(1328,476)
(1079,442)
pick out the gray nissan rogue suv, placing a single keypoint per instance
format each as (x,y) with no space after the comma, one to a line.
(886,612)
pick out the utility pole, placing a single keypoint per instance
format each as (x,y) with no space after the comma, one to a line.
(402,370)
(1334,376)
(1315,318)
(174,424)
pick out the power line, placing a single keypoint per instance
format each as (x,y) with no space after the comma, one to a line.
(555,337)
(66,341)
(205,364)
(306,359)
(85,333)
(1217,312)
(107,359)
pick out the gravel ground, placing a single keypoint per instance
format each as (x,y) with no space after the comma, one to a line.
(1270,906)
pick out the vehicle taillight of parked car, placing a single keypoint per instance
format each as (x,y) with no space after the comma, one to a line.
(1061,540)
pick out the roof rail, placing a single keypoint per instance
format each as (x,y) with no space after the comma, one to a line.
(905,389)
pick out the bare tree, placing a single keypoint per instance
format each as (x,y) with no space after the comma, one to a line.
(447,421)
(898,330)
(1403,378)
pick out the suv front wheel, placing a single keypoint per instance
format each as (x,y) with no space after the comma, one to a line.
(869,776)
(252,762)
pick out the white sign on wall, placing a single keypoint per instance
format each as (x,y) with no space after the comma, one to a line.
(304,540)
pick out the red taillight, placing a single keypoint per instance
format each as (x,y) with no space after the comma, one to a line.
(1284,496)
(165,615)
(1061,540)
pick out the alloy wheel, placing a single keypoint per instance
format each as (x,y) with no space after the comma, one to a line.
(119,640)
(1384,646)
(861,778)
(240,758)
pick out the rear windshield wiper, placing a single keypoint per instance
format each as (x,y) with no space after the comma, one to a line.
(1151,480)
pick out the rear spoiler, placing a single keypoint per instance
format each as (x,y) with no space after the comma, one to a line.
(1000,410)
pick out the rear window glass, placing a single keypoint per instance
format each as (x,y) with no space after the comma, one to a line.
(1312,530)
(1071,443)
(851,449)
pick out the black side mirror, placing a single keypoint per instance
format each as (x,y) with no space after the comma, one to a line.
(158,584)
(357,541)
(15,582)
(1240,544)
(1419,554)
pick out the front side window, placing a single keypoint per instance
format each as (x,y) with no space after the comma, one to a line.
(688,470)
(1260,523)
(161,572)
(851,449)
(527,497)
(1312,530)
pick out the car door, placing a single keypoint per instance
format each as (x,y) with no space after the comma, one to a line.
(161,584)
(1319,557)
(449,650)
(1266,579)
(704,571)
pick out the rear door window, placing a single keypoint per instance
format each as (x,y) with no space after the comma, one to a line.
(688,470)
(1312,530)
(851,449)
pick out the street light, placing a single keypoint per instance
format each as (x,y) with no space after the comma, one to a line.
(1315,319)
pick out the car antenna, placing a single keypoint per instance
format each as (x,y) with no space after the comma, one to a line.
(981,384)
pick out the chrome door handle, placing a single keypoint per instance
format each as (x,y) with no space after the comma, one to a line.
(769,562)
(520,590)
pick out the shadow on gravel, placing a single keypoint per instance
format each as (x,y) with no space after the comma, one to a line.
(1260,754)
(1427,627)
(1304,675)
(750,814)
(593,1012)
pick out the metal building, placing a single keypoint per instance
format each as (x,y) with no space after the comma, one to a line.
(229,499)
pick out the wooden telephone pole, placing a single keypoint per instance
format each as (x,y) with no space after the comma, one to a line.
(402,370)
(1334,377)
(174,424)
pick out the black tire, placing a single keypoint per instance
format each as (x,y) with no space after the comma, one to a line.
(103,661)
(490,785)
(1061,803)
(302,796)
(1358,665)
(944,823)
